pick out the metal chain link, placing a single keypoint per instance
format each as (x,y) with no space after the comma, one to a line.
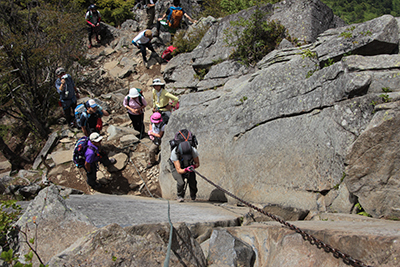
(313,241)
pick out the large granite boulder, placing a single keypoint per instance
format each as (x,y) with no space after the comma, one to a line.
(281,135)
(144,245)
(47,219)
(373,172)
(304,20)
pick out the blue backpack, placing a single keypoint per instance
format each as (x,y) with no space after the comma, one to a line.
(79,152)
(79,110)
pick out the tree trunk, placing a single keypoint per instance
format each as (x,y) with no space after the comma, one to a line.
(13,158)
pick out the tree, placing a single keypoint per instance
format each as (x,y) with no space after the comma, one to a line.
(35,38)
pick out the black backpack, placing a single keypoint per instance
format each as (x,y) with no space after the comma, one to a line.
(182,136)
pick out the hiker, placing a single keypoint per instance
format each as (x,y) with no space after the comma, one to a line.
(135,104)
(174,15)
(93,155)
(93,18)
(143,41)
(91,119)
(161,99)
(156,132)
(68,94)
(183,160)
(151,12)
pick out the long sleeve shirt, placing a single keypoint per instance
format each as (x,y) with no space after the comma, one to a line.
(161,99)
(135,104)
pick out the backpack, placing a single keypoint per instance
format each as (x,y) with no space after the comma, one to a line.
(79,152)
(184,152)
(140,96)
(175,17)
(79,110)
(167,54)
(182,136)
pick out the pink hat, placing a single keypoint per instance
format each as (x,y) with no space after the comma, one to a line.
(156,118)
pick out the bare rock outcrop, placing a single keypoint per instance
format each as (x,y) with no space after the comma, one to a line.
(287,129)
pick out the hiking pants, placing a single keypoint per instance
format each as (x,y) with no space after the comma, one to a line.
(68,107)
(92,175)
(151,13)
(137,122)
(143,47)
(180,182)
(153,151)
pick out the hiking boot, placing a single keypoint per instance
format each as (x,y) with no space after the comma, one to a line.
(113,161)
(193,197)
(179,199)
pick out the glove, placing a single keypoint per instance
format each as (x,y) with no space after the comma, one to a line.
(150,135)
(190,168)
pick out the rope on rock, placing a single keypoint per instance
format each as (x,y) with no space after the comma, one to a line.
(313,240)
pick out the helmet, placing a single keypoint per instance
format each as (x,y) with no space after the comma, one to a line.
(156,117)
(157,82)
(92,7)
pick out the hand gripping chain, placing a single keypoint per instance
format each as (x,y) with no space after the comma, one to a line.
(314,241)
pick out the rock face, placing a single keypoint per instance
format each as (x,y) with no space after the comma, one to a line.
(133,246)
(304,20)
(275,245)
(282,134)
(49,219)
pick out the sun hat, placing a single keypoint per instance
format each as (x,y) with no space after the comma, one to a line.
(148,33)
(157,82)
(60,70)
(133,92)
(92,103)
(95,137)
(156,117)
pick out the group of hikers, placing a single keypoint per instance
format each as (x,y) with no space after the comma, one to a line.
(169,22)
(87,116)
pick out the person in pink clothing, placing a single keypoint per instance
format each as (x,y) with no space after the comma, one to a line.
(135,103)
(156,132)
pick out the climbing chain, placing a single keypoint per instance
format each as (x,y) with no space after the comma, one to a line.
(314,241)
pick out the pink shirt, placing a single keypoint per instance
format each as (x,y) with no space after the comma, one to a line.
(135,104)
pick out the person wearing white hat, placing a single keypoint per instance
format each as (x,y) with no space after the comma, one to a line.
(91,118)
(161,98)
(93,155)
(135,103)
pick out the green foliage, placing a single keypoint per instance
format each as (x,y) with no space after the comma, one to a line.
(385,98)
(201,73)
(9,213)
(330,62)
(244,98)
(348,33)
(308,53)
(115,12)
(361,211)
(354,11)
(254,38)
(187,41)
(35,39)
(222,8)
(386,90)
(336,187)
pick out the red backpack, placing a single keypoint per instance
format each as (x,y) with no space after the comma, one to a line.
(167,54)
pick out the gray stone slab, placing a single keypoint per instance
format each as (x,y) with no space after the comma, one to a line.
(4,165)
(60,157)
(49,144)
(104,209)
